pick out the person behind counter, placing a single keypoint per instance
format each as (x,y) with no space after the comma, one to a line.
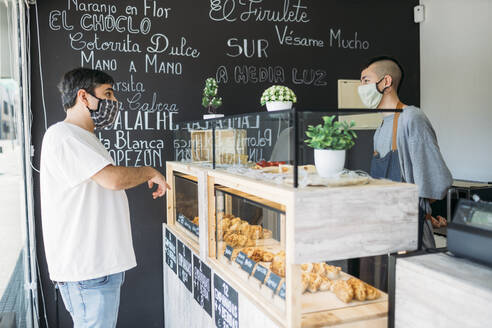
(405,145)
(85,212)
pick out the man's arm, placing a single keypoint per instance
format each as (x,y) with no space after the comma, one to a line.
(121,177)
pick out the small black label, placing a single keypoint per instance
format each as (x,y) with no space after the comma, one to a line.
(170,242)
(248,265)
(190,226)
(281,292)
(228,252)
(184,265)
(273,281)
(225,304)
(195,229)
(240,258)
(260,273)
(202,284)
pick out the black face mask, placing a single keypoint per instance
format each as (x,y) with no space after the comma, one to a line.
(105,113)
(382,91)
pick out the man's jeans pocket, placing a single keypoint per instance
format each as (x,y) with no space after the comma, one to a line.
(94,283)
(63,288)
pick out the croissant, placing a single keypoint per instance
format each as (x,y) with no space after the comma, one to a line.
(244,228)
(307,267)
(248,251)
(267,257)
(242,240)
(372,293)
(257,255)
(359,288)
(343,291)
(332,272)
(278,267)
(314,282)
(255,232)
(325,284)
(319,268)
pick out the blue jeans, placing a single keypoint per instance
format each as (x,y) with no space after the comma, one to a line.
(93,303)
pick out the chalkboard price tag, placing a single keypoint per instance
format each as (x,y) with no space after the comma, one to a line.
(184,265)
(228,252)
(273,281)
(170,242)
(202,284)
(281,292)
(240,258)
(260,273)
(195,229)
(225,304)
(248,265)
(181,219)
(190,226)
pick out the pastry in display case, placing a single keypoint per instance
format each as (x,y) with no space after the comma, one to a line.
(246,225)
(230,146)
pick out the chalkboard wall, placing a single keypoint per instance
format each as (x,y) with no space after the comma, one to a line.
(160,53)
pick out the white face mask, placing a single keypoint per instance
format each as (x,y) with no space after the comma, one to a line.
(370,95)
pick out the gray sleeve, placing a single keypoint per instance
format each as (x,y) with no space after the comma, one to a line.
(422,160)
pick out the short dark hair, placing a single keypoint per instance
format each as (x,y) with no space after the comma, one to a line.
(80,78)
(387,58)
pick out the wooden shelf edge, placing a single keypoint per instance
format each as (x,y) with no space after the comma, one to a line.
(356,316)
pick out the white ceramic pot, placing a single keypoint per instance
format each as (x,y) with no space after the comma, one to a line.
(329,162)
(278,105)
(210,116)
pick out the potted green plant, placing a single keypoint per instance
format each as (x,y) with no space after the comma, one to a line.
(278,97)
(210,99)
(330,140)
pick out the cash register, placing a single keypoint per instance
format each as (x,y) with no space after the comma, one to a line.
(470,233)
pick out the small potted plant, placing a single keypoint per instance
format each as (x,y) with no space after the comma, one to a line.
(278,97)
(210,99)
(330,140)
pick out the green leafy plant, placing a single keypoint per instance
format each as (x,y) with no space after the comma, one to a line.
(278,93)
(210,99)
(331,134)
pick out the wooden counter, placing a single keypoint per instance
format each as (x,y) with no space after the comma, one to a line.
(316,224)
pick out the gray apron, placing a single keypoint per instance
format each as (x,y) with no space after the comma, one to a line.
(388,167)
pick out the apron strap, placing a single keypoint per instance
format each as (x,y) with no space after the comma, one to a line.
(395,126)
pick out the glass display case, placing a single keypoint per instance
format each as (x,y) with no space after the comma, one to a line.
(272,145)
(186,203)
(183,206)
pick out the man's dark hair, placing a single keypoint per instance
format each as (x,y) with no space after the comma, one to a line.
(390,66)
(80,78)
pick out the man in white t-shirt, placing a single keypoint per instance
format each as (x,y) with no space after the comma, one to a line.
(85,214)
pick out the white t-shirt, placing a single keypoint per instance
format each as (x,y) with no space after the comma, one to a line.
(86,228)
